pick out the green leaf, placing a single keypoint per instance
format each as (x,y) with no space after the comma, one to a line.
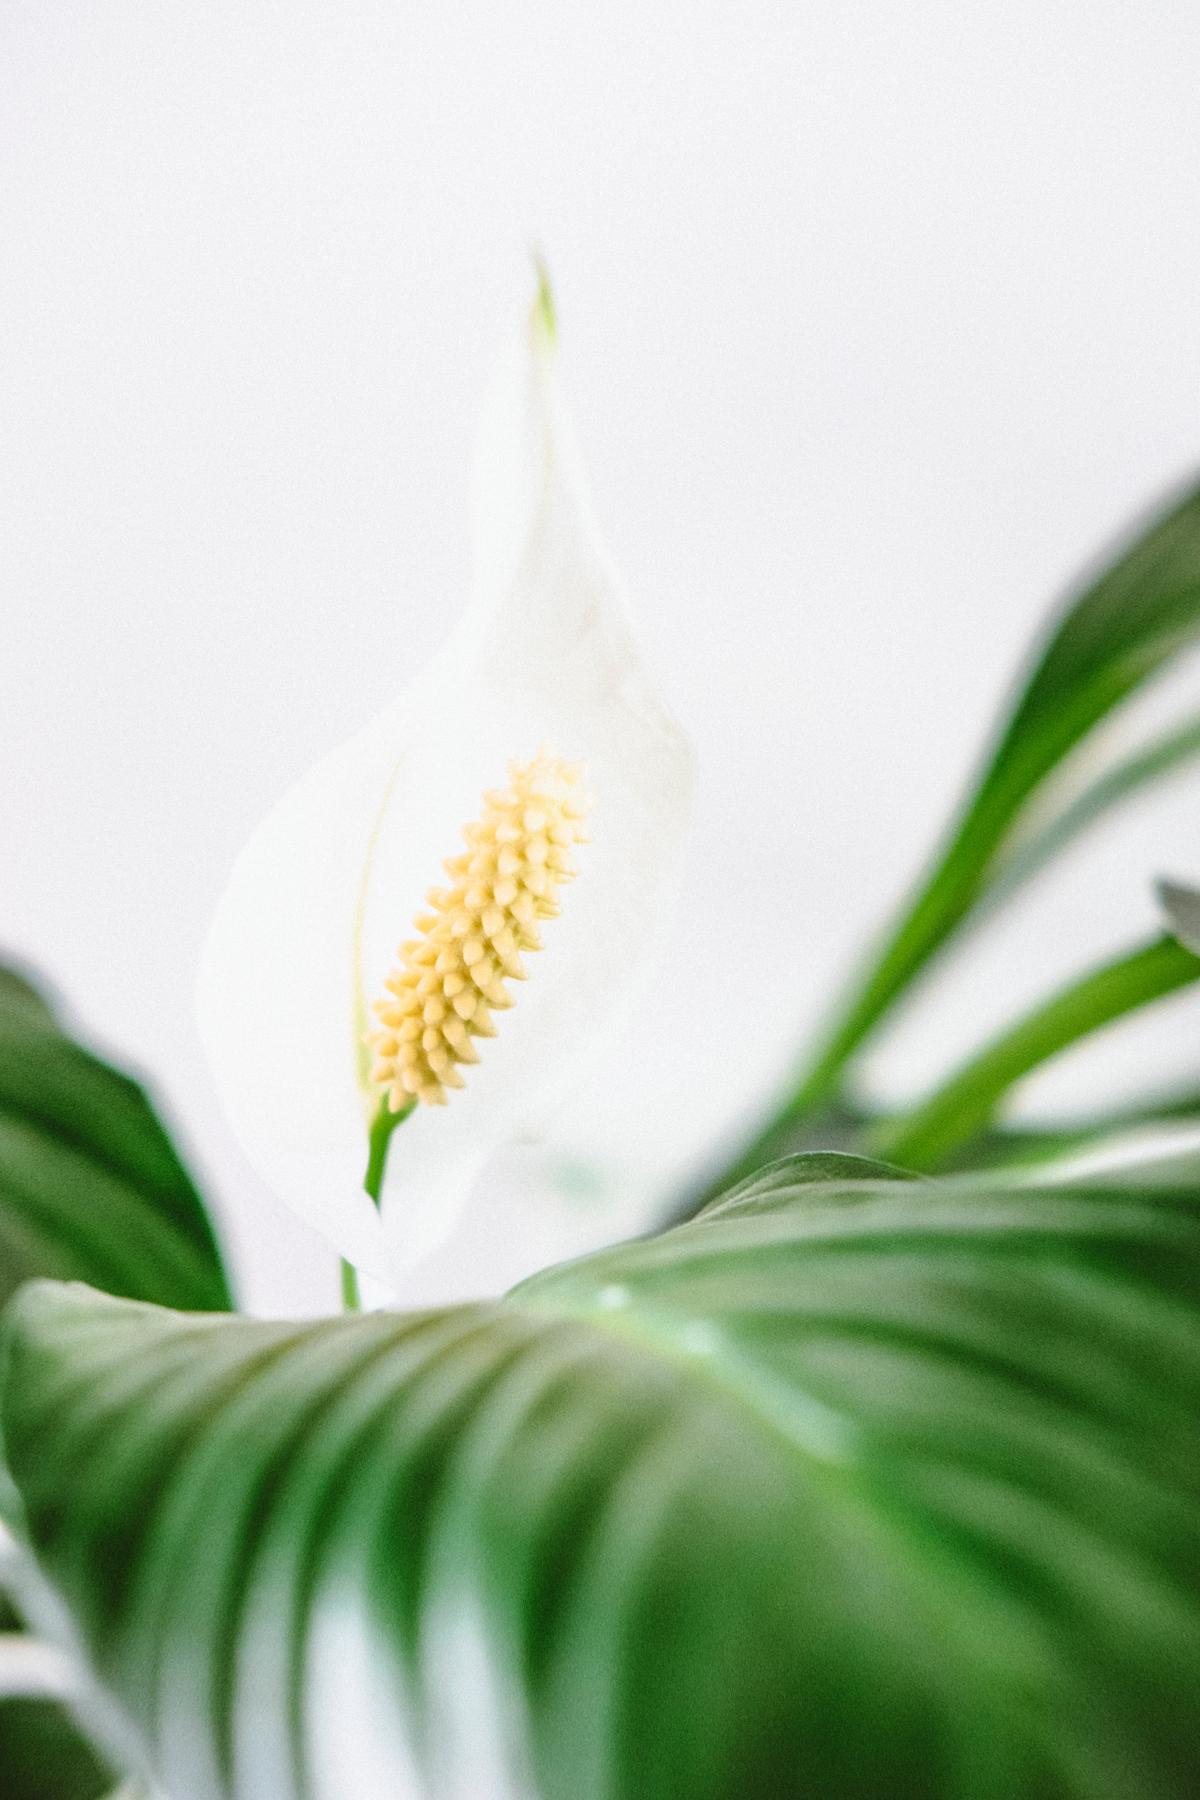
(19,995)
(1023,1145)
(1182,907)
(1124,627)
(42,1756)
(1027,851)
(90,1185)
(965,1103)
(855,1487)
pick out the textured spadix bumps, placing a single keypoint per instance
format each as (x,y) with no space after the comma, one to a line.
(451,978)
(304,941)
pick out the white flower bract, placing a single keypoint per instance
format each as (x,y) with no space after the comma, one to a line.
(309,925)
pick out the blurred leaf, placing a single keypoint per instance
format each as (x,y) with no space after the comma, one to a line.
(90,1185)
(1027,851)
(19,995)
(1182,907)
(1009,1146)
(855,1487)
(42,1756)
(779,1182)
(1124,627)
(965,1103)
(1151,1159)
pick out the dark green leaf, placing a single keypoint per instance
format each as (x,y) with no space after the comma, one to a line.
(1123,628)
(965,1103)
(853,1488)
(90,1186)
(1026,852)
(1016,1145)
(42,1756)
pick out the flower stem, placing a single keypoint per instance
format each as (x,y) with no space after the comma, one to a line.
(351,1298)
(378,1142)
(382,1127)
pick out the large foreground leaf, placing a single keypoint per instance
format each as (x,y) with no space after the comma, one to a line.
(854,1487)
(90,1185)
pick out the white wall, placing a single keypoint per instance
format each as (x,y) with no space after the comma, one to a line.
(878,319)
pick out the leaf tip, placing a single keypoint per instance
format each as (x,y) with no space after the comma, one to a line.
(1182,907)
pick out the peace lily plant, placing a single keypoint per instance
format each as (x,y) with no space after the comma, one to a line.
(872,1471)
(400,908)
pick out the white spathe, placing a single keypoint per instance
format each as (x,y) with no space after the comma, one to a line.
(307,928)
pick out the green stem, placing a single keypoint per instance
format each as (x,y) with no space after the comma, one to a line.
(382,1127)
(351,1298)
(378,1144)
(962,1105)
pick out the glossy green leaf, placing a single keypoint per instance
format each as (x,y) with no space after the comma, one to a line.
(90,1185)
(856,1486)
(1124,627)
(90,1188)
(1027,851)
(1009,1146)
(965,1103)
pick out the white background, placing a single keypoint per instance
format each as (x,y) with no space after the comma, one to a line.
(878,320)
